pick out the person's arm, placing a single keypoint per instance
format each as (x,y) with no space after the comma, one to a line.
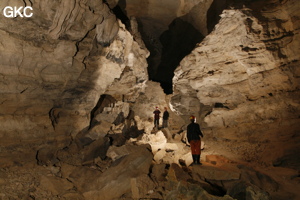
(199,131)
(188,133)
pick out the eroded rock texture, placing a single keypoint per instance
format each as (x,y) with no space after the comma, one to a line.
(76,111)
(170,30)
(54,68)
(242,82)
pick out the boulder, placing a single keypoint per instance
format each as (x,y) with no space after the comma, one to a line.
(159,172)
(177,174)
(172,146)
(142,124)
(57,186)
(167,133)
(115,152)
(142,187)
(157,141)
(187,159)
(189,190)
(81,175)
(70,155)
(119,175)
(247,191)
(117,139)
(258,178)
(99,130)
(66,170)
(220,173)
(47,155)
(159,156)
(96,149)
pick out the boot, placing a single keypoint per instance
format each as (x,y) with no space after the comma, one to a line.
(198,159)
(194,160)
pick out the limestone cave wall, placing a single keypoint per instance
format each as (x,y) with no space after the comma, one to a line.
(242,82)
(78,93)
(56,65)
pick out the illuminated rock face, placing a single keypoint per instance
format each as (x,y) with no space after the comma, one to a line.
(57,64)
(242,82)
(170,30)
(76,106)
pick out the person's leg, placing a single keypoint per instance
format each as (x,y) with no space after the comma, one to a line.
(165,123)
(157,123)
(194,159)
(193,151)
(198,151)
(198,159)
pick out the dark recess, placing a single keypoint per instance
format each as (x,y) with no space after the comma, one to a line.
(177,43)
(119,11)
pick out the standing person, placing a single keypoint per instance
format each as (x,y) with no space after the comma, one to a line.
(156,117)
(193,136)
(165,118)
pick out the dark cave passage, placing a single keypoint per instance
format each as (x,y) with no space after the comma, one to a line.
(168,47)
(177,42)
(78,91)
(168,50)
(120,12)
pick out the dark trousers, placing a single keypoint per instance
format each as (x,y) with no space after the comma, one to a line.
(165,123)
(156,123)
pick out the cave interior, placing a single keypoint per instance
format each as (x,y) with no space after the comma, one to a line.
(80,81)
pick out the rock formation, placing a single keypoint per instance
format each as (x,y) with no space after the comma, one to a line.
(59,65)
(242,83)
(77,99)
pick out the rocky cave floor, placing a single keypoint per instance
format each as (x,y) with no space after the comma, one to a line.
(222,175)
